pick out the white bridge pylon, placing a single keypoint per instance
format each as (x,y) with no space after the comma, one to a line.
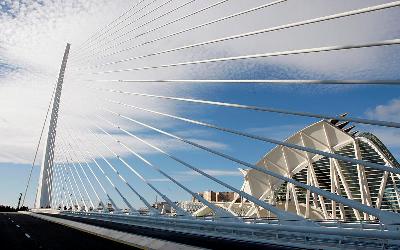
(43,197)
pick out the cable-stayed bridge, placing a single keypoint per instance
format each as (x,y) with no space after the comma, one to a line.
(325,186)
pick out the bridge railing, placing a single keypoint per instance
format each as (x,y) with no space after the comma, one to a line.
(339,236)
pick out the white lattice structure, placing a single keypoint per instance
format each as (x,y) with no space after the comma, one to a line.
(372,187)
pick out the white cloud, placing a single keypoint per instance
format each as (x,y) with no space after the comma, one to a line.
(33,35)
(277,132)
(189,175)
(32,40)
(390,137)
(159,180)
(387,112)
(215,172)
(211,144)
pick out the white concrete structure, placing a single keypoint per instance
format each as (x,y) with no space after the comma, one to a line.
(43,197)
(369,186)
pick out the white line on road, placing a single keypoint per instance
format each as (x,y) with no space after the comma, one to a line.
(28,236)
(18,226)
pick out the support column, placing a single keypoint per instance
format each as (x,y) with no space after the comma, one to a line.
(43,198)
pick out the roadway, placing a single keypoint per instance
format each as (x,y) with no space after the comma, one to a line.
(19,231)
(183,238)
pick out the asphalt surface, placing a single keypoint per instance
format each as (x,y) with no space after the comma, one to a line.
(183,238)
(19,231)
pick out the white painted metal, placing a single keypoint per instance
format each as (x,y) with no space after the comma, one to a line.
(384,216)
(322,136)
(391,42)
(145,202)
(284,216)
(72,189)
(83,157)
(184,30)
(69,191)
(82,168)
(330,235)
(57,190)
(105,29)
(70,161)
(179,210)
(324,151)
(42,197)
(90,154)
(257,32)
(98,181)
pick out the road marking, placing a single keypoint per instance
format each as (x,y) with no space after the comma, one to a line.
(12,221)
(28,236)
(18,226)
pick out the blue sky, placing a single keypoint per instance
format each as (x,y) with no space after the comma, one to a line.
(269,125)
(30,77)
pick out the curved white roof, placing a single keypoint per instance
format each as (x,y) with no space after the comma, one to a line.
(287,161)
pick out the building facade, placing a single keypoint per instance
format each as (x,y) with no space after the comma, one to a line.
(213,196)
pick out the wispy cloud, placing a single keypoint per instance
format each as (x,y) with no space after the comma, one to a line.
(189,175)
(388,112)
(211,144)
(277,132)
(33,35)
(159,180)
(391,137)
(215,172)
(185,176)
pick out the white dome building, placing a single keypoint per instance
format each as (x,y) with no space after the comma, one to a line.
(369,186)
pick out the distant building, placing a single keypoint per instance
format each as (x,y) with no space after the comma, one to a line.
(217,196)
(163,207)
(190,206)
(110,207)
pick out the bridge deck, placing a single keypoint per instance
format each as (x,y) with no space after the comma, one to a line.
(170,239)
(126,235)
(21,231)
